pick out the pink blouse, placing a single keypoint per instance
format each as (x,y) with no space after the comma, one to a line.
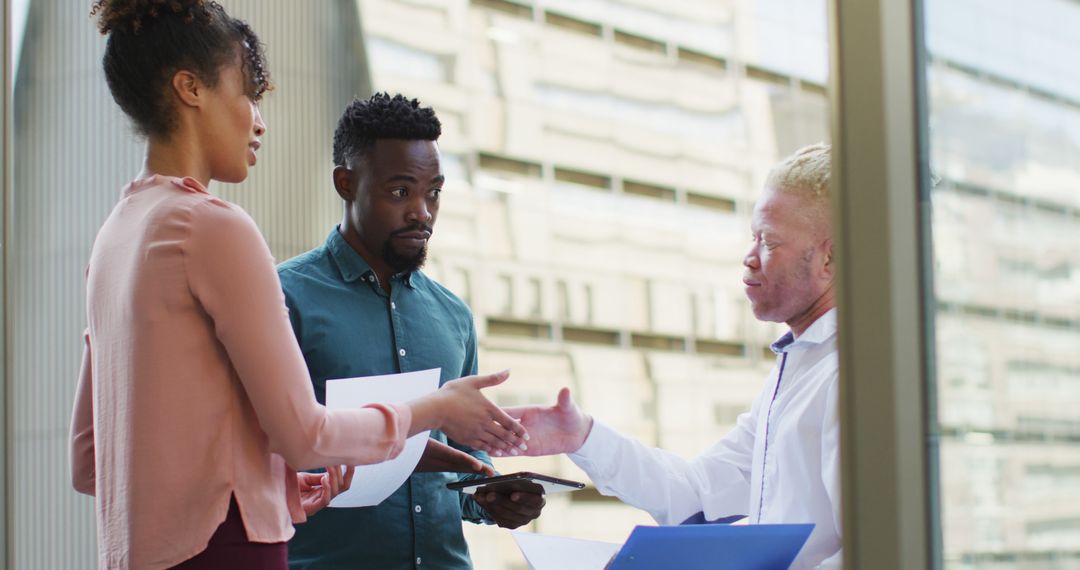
(192,386)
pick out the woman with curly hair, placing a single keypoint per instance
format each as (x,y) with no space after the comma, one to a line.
(194,405)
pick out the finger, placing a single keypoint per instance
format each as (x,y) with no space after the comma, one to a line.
(509,424)
(505,438)
(491,445)
(309,480)
(486,469)
(515,509)
(334,475)
(528,500)
(347,481)
(516,412)
(505,517)
(331,482)
(457,460)
(474,465)
(327,482)
(339,478)
(564,400)
(489,380)
(532,503)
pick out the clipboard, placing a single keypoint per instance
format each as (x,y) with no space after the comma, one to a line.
(686,547)
(712,547)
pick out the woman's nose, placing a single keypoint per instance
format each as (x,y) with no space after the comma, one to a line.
(260,125)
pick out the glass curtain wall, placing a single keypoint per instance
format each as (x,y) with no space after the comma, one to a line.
(1003,94)
(603,157)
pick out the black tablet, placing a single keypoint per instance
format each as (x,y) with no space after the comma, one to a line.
(523,481)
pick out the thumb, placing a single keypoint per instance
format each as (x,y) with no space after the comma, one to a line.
(564,399)
(491,379)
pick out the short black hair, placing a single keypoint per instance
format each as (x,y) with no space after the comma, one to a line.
(150,40)
(382,117)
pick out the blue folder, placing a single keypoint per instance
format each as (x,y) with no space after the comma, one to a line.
(712,547)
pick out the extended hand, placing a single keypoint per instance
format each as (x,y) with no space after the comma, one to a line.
(471,419)
(513,509)
(318,489)
(441,457)
(561,428)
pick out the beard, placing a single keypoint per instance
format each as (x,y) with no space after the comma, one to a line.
(401,262)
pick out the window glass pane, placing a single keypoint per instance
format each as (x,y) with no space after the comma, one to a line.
(615,149)
(1004,116)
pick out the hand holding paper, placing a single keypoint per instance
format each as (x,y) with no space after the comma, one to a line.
(374,483)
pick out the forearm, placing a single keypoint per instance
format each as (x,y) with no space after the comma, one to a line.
(668,487)
(471,511)
(426,413)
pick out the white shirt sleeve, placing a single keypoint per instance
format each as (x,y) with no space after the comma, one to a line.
(830,466)
(668,487)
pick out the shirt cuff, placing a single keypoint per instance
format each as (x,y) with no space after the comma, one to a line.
(599,449)
(398,422)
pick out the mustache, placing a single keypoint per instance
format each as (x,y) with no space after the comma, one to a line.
(412,228)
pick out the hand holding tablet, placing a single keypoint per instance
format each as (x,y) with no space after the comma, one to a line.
(523,481)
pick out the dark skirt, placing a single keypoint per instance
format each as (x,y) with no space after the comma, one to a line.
(230,548)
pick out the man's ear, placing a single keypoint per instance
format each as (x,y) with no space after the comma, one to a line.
(830,261)
(343,183)
(189,90)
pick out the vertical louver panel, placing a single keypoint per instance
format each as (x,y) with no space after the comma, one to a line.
(73,152)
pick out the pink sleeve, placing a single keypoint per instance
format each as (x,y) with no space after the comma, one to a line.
(231,273)
(81,442)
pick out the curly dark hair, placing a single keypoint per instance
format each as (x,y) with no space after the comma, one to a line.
(382,117)
(150,40)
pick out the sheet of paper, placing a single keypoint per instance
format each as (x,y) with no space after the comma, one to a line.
(374,483)
(544,552)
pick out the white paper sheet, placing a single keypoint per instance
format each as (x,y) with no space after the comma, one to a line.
(544,552)
(372,484)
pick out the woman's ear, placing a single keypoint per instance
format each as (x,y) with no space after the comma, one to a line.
(343,183)
(188,88)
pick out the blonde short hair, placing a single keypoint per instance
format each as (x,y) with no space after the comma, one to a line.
(807,173)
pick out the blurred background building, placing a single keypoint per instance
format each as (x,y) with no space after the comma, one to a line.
(602,160)
(1004,129)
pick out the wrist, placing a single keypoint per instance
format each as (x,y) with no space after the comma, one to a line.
(427,413)
(584,433)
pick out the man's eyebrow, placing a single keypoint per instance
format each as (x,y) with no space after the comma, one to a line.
(440,179)
(402,178)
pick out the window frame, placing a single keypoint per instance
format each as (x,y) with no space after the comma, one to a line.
(884,284)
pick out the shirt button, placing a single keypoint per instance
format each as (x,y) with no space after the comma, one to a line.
(417,560)
(371,278)
(417,508)
(393,305)
(401,352)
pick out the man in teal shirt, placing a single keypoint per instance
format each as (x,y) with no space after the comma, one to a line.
(360,306)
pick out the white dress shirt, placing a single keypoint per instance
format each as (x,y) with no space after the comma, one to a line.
(781,463)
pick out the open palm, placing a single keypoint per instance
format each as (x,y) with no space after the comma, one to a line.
(561,428)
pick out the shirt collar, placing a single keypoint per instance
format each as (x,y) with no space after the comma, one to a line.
(820,331)
(351,264)
(186,183)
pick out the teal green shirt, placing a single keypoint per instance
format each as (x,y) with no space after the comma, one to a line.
(348,326)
